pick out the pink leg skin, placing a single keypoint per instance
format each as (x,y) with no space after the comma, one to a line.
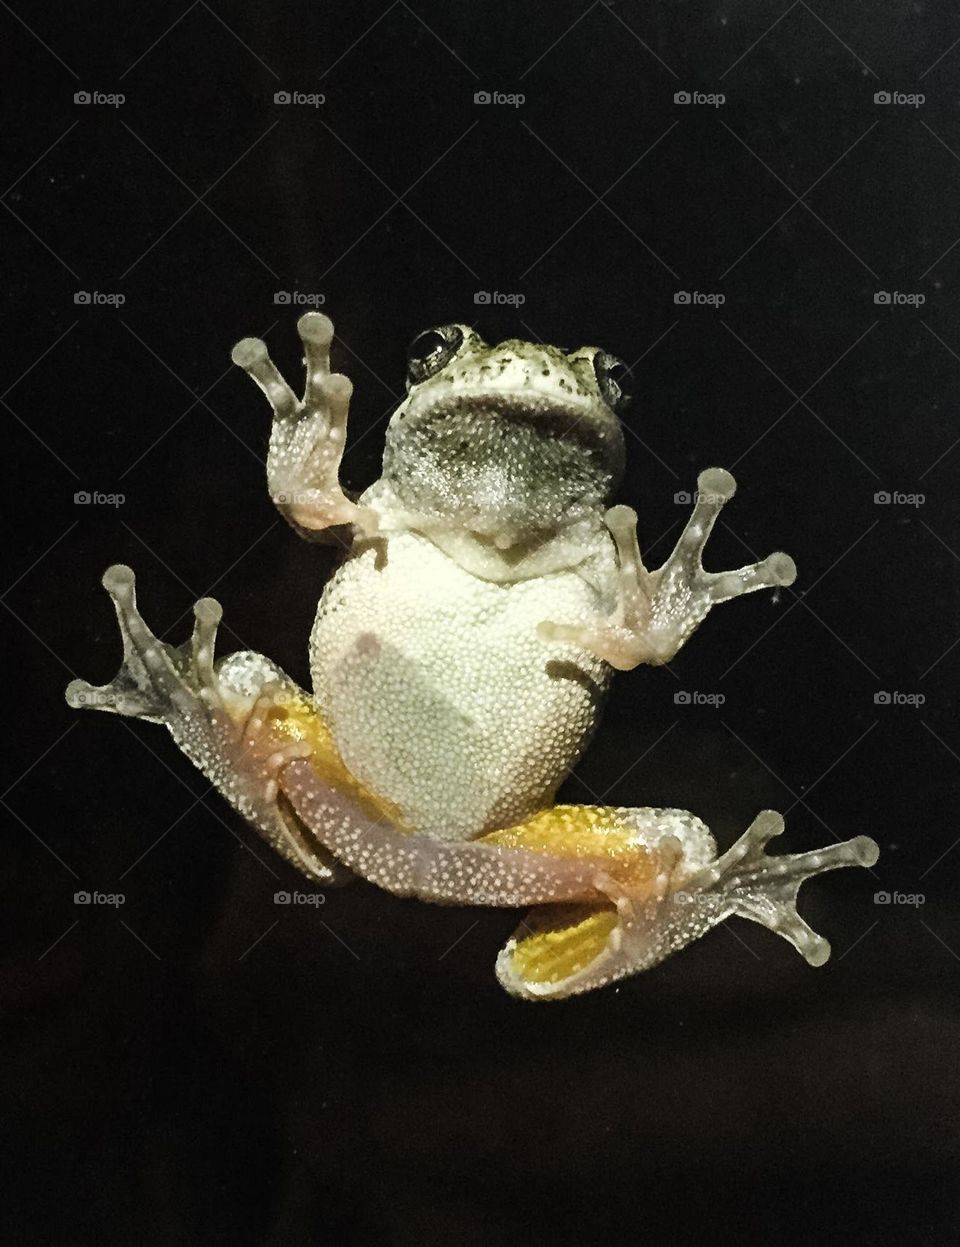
(658,611)
(677,909)
(441,871)
(308,435)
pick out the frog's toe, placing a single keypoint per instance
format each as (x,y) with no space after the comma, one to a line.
(156,681)
(224,715)
(775,570)
(308,435)
(748,883)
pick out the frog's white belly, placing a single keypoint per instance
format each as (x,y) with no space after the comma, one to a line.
(440,695)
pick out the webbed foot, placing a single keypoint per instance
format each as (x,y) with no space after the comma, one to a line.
(308,434)
(747,882)
(657,611)
(219,713)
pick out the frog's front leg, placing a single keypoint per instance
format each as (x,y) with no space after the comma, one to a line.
(656,612)
(217,713)
(308,434)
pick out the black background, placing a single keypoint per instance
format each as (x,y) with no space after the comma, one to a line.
(200,1066)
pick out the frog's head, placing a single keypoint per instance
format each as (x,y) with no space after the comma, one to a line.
(506,441)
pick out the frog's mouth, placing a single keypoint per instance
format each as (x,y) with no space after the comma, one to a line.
(583,422)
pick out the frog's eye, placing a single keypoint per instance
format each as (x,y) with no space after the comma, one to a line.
(431,350)
(612,375)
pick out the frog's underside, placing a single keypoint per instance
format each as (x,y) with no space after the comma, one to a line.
(459,658)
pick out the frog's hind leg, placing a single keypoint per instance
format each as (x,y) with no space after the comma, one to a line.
(561,951)
(214,711)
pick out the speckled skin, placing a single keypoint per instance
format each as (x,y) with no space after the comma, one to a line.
(459,659)
(409,649)
(419,640)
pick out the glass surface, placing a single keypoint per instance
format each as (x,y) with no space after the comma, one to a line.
(199,1065)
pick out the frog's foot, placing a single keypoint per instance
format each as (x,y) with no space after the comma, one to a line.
(564,950)
(657,611)
(746,882)
(308,434)
(216,712)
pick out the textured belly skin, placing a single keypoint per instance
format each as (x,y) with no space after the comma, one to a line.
(440,695)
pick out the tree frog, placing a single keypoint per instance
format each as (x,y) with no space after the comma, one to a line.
(459,660)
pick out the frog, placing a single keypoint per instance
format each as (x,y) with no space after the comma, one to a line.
(460,657)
